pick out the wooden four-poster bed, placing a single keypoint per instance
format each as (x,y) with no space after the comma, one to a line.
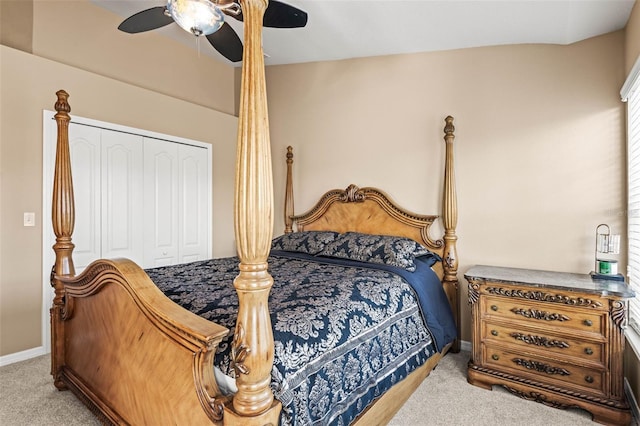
(140,348)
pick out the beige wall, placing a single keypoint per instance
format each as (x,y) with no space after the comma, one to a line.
(632,38)
(83,35)
(540,145)
(28,86)
(146,81)
(16,24)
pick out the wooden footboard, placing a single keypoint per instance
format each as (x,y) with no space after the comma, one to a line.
(128,349)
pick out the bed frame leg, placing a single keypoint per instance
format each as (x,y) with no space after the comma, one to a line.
(270,417)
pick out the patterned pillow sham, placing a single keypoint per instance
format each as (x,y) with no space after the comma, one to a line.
(309,242)
(385,249)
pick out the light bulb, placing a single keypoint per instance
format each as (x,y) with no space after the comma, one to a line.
(199,17)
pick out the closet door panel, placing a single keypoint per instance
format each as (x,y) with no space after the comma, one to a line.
(194,196)
(160,202)
(122,190)
(84,146)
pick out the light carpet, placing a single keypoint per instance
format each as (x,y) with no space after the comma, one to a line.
(28,397)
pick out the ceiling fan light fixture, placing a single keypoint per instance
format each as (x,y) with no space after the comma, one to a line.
(199,17)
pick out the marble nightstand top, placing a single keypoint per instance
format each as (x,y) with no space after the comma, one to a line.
(549,279)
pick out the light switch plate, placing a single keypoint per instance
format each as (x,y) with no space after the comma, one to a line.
(29,219)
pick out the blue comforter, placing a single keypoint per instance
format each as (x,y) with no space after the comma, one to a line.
(344,331)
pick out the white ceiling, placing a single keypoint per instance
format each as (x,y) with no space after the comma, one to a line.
(341,29)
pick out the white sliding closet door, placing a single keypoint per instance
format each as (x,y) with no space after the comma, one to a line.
(122,189)
(84,147)
(141,198)
(193,191)
(175,199)
(160,203)
(141,195)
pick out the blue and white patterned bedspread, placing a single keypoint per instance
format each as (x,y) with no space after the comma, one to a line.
(343,334)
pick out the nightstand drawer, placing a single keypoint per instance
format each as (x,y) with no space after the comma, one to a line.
(587,352)
(544,314)
(544,370)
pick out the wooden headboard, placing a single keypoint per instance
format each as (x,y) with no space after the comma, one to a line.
(371,211)
(366,210)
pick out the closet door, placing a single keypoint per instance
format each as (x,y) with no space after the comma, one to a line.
(84,147)
(160,203)
(194,196)
(122,191)
(176,194)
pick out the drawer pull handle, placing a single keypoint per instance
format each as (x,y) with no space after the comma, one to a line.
(494,307)
(495,357)
(588,351)
(494,332)
(588,379)
(588,323)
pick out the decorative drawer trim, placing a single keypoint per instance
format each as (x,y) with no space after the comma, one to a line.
(618,404)
(540,367)
(532,395)
(544,297)
(540,341)
(540,315)
(618,314)
(474,293)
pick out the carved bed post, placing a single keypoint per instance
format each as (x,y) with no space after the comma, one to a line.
(288,196)
(62,217)
(253,348)
(450,220)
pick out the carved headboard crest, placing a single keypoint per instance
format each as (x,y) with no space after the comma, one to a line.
(328,215)
(355,194)
(352,194)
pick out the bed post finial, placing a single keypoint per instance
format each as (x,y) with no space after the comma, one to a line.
(450,220)
(288,196)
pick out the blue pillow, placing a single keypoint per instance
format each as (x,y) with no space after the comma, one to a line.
(400,252)
(309,242)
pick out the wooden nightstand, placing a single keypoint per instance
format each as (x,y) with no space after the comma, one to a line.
(551,337)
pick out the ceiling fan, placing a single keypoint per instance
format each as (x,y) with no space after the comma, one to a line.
(206,18)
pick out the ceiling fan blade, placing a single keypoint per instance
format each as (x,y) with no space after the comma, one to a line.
(280,15)
(227,42)
(146,20)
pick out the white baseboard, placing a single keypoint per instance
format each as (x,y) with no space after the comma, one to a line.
(465,346)
(22,356)
(631,399)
